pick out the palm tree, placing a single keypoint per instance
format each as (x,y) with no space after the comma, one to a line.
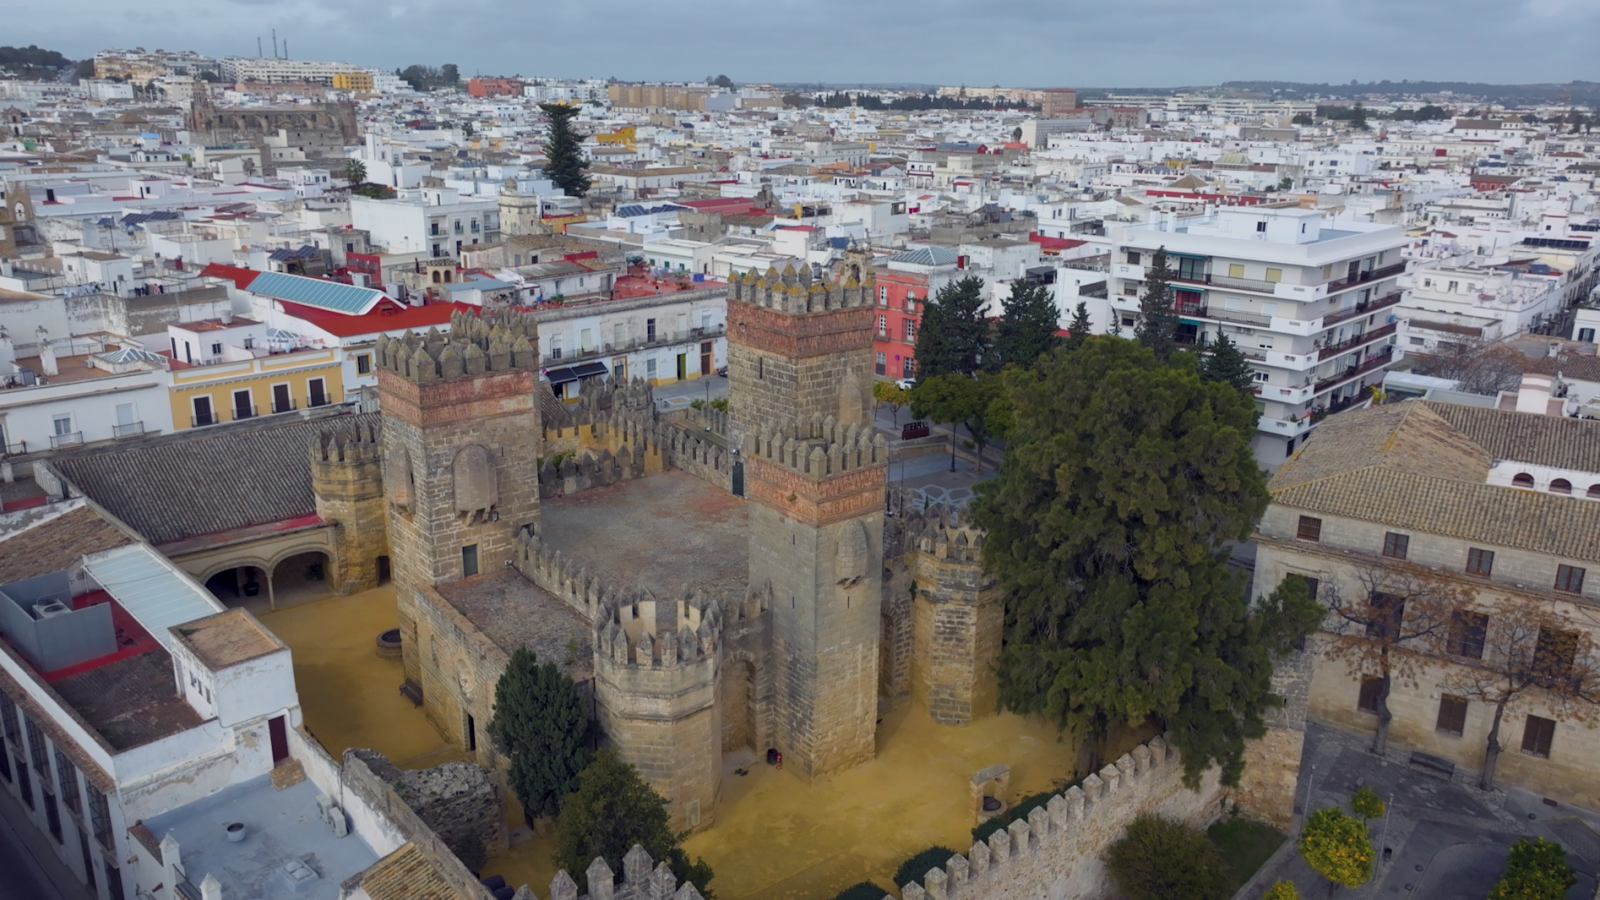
(354,172)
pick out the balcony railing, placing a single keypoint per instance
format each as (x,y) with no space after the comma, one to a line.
(1351,343)
(70,439)
(314,402)
(284,406)
(17,449)
(244,412)
(1238,284)
(129,430)
(1361,309)
(1364,277)
(200,421)
(1236,316)
(1376,361)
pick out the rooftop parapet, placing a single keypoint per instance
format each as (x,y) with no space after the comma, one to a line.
(361,444)
(649,633)
(819,448)
(499,342)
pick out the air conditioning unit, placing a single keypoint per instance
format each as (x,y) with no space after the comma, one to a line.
(50,609)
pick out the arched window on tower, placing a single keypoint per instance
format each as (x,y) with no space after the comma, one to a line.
(1561,486)
(1523,480)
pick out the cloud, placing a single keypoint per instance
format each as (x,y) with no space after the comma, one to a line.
(1019,42)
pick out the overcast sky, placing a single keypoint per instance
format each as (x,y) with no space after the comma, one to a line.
(1034,43)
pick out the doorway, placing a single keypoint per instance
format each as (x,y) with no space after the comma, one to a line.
(278,731)
(739,707)
(281,400)
(705,357)
(383,570)
(683,366)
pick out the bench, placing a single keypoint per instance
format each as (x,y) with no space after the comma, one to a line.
(1435,764)
(411,691)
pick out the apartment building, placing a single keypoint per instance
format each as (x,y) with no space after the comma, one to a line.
(1494,511)
(269,70)
(905,282)
(663,338)
(1455,302)
(435,220)
(1310,302)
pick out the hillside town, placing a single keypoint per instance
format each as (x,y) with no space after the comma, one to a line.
(340,404)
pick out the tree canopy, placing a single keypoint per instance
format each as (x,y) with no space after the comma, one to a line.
(612,810)
(979,403)
(1122,481)
(953,335)
(426,78)
(564,150)
(1224,364)
(1027,326)
(542,727)
(1160,859)
(1079,329)
(1157,326)
(1337,846)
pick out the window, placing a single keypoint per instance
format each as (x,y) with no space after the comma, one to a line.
(63,424)
(1235,270)
(37,750)
(650,329)
(1537,735)
(67,782)
(1560,486)
(1480,562)
(1593,492)
(1569,579)
(1396,545)
(1191,269)
(1522,480)
(1310,529)
(24,784)
(1312,584)
(474,226)
(1418,342)
(99,816)
(1262,377)
(1467,630)
(650,368)
(469,560)
(883,295)
(911,302)
(457,226)
(908,368)
(1133,257)
(881,364)
(202,411)
(911,331)
(1261,226)
(1386,613)
(883,326)
(1367,700)
(1554,652)
(249,343)
(1274,275)
(1127,321)
(1452,715)
(216,349)
(364,364)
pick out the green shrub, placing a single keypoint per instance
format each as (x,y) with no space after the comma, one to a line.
(917,866)
(1283,890)
(1159,859)
(720,404)
(1337,846)
(1536,870)
(697,404)
(864,890)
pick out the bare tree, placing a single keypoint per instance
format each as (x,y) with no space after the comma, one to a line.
(1527,654)
(1479,366)
(1387,634)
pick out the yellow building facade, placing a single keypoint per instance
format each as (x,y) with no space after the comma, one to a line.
(230,391)
(352,81)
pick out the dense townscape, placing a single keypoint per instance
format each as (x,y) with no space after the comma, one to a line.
(423,485)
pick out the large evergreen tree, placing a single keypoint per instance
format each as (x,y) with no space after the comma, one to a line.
(542,727)
(1027,326)
(1224,364)
(613,809)
(1079,329)
(1123,479)
(564,150)
(1157,327)
(953,336)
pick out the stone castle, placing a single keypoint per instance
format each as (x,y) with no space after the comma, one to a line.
(823,610)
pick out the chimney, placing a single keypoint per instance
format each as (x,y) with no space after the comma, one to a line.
(226,317)
(47,354)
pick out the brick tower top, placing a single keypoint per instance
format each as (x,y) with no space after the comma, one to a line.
(494,343)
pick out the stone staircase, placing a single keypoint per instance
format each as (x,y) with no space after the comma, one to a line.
(287,773)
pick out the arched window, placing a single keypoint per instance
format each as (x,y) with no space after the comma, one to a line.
(1594,492)
(446,276)
(1523,480)
(1561,486)
(435,276)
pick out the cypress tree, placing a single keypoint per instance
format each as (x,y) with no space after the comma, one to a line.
(1224,364)
(953,335)
(1157,327)
(540,724)
(613,809)
(563,149)
(1027,327)
(1079,328)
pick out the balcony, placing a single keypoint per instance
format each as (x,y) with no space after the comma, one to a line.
(1365,277)
(314,402)
(244,412)
(284,406)
(1224,281)
(1206,311)
(131,429)
(1351,343)
(70,439)
(1376,361)
(1361,309)
(201,421)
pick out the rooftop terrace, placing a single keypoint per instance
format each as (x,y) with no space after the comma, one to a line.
(514,612)
(130,701)
(281,828)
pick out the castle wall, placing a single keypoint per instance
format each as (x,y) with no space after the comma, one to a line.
(1056,851)
(347,483)
(957,618)
(774,378)
(1272,764)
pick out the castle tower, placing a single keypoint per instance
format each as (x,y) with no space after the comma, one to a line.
(519,213)
(460,442)
(347,483)
(655,677)
(799,348)
(816,540)
(957,618)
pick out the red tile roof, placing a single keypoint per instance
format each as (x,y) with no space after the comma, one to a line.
(386,316)
(240,277)
(1056,244)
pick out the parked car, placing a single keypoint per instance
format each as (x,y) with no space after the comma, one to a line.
(912,430)
(722,372)
(905,384)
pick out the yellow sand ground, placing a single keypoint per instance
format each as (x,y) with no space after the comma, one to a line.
(350,697)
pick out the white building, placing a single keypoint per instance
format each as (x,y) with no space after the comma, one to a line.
(664,338)
(1309,302)
(281,71)
(436,221)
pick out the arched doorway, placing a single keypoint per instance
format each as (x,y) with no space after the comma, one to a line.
(301,578)
(739,708)
(239,586)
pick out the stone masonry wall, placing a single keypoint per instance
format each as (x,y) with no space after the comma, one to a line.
(957,618)
(347,484)
(1272,764)
(457,800)
(1056,851)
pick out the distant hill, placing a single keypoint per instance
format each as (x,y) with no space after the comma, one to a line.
(31,57)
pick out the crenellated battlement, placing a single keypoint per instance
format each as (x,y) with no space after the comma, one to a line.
(1056,849)
(939,532)
(496,342)
(818,448)
(642,879)
(797,292)
(648,633)
(349,446)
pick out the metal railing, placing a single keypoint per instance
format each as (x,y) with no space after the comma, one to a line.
(17,449)
(128,430)
(70,439)
(1361,309)
(243,412)
(1238,284)
(1364,277)
(1351,343)
(286,406)
(314,402)
(1378,360)
(201,421)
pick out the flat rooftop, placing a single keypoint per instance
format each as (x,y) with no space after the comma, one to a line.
(666,534)
(131,701)
(69,369)
(281,828)
(514,612)
(227,639)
